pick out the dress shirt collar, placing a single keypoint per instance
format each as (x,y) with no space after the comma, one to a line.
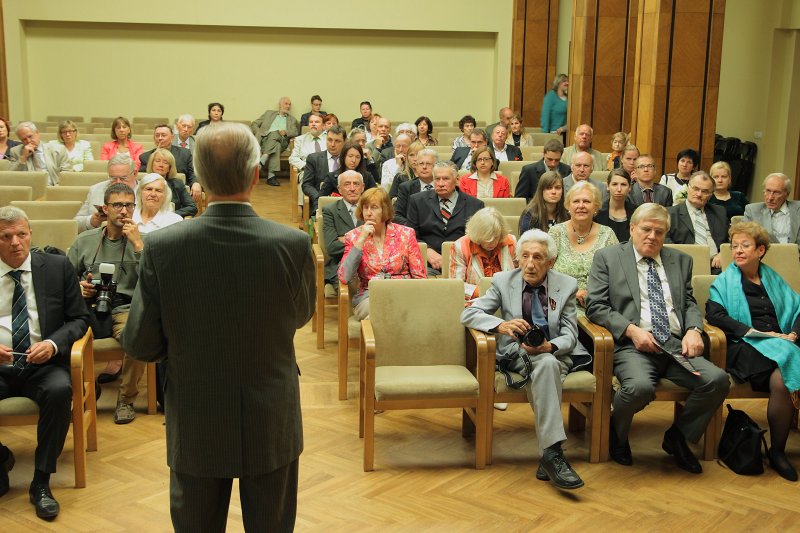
(782,209)
(25,266)
(221,202)
(639,257)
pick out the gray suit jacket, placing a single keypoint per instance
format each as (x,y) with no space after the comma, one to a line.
(55,156)
(505,294)
(681,229)
(661,195)
(759,213)
(260,126)
(336,221)
(614,298)
(569,181)
(232,395)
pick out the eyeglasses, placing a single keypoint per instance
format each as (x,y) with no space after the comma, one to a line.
(697,189)
(483,160)
(644,167)
(119,205)
(69,131)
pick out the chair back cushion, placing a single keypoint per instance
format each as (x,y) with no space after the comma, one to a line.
(701,287)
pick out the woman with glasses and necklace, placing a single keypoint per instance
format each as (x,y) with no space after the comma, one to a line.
(78,151)
(484,182)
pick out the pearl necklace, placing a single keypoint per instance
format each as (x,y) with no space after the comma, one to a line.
(582,238)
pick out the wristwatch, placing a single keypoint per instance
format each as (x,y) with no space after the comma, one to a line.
(698,330)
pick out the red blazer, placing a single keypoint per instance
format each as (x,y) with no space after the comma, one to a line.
(500,186)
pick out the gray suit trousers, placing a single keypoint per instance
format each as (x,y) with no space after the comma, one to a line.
(638,374)
(544,395)
(271,147)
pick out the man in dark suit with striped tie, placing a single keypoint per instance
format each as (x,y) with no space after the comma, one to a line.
(232,398)
(41,315)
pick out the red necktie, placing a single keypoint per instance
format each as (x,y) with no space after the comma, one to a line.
(183,144)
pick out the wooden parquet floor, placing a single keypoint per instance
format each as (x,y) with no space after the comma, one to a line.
(424,478)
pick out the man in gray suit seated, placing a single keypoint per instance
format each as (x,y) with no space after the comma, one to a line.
(581,166)
(273,130)
(337,219)
(34,155)
(779,216)
(642,293)
(535,295)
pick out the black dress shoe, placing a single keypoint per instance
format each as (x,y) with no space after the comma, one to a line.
(558,470)
(5,468)
(105,377)
(619,451)
(46,506)
(779,463)
(273,181)
(675,445)
(541,475)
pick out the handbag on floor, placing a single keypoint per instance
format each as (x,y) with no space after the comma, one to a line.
(741,442)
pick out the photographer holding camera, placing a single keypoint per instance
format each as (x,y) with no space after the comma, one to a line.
(106,261)
(538,339)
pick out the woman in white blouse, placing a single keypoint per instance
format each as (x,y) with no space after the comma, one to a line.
(78,151)
(155,204)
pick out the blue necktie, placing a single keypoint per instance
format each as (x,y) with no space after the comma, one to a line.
(20,333)
(658,307)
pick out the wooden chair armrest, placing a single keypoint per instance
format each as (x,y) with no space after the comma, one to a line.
(603,349)
(344,296)
(368,339)
(717,352)
(82,348)
(483,345)
(318,255)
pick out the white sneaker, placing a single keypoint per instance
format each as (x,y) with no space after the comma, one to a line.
(501,406)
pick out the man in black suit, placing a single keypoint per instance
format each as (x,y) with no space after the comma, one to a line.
(441,214)
(365,108)
(338,219)
(645,189)
(462,156)
(162,136)
(41,315)
(426,159)
(551,160)
(503,151)
(320,163)
(695,221)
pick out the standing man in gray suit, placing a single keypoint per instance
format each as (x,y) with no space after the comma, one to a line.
(642,293)
(232,397)
(779,216)
(273,130)
(535,295)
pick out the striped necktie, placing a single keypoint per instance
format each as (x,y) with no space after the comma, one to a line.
(20,332)
(445,210)
(658,307)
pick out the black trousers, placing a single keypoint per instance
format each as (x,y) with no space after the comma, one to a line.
(269,501)
(49,386)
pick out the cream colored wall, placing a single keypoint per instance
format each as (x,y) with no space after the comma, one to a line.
(443,58)
(565,9)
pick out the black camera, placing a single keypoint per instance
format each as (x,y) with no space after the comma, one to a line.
(533,337)
(106,288)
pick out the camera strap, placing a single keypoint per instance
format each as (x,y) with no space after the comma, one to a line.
(103,236)
(504,364)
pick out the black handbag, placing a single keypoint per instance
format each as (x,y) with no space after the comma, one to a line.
(740,444)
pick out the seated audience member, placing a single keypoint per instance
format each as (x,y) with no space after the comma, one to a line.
(365,108)
(617,209)
(748,298)
(350,158)
(378,249)
(408,171)
(35,346)
(688,163)
(120,243)
(162,135)
(425,163)
(407,128)
(440,214)
(695,221)
(651,313)
(554,107)
(779,216)
(425,131)
(273,130)
(337,219)
(392,166)
(628,160)
(121,169)
(583,143)
(645,190)
(121,143)
(77,150)
(381,141)
(530,174)
(516,133)
(504,115)
(486,249)
(330,120)
(372,127)
(547,300)
(6,143)
(154,210)
(578,239)
(319,164)
(462,157)
(311,142)
(215,112)
(734,202)
(33,155)
(466,125)
(581,170)
(162,163)
(484,182)
(359,137)
(316,107)
(184,127)
(503,151)
(546,208)
(618,143)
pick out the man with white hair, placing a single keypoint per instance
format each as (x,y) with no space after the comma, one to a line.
(393,164)
(184,127)
(776,214)
(583,143)
(536,299)
(121,169)
(273,130)
(33,155)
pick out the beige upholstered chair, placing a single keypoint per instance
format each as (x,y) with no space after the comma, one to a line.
(320,258)
(507,167)
(701,257)
(580,389)
(512,225)
(61,118)
(405,364)
(83,179)
(737,218)
(96,166)
(447,253)
(540,139)
(19,411)
(58,233)
(446,138)
(782,257)
(349,329)
(49,210)
(150,121)
(66,193)
(11,193)
(513,180)
(600,175)
(531,154)
(507,206)
(37,181)
(5,164)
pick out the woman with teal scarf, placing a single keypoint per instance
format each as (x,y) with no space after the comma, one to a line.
(760,315)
